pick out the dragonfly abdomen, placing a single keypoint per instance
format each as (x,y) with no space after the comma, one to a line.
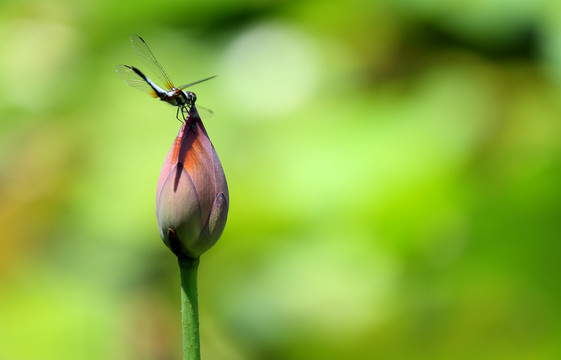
(159,92)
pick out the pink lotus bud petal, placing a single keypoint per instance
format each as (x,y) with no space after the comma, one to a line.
(192,195)
(216,222)
(182,212)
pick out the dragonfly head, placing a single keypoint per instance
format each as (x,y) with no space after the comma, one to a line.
(188,98)
(191,97)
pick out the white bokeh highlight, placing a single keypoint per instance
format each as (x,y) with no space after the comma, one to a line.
(269,70)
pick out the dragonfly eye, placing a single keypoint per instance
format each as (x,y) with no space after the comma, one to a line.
(192,98)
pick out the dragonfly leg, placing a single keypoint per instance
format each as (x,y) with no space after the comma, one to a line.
(184,112)
(177,114)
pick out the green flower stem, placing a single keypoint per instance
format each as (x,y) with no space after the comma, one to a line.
(190,308)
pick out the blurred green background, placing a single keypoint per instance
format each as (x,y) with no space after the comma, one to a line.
(394,171)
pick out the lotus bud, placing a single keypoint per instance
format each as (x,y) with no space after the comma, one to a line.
(192,195)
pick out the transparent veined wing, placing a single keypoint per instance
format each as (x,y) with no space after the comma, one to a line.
(145,54)
(195,82)
(205,113)
(131,78)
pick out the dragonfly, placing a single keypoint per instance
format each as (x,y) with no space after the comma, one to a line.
(171,94)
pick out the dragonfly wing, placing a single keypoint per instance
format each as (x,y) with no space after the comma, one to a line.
(131,78)
(205,112)
(195,82)
(143,51)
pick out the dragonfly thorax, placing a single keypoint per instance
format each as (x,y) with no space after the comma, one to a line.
(182,99)
(179,97)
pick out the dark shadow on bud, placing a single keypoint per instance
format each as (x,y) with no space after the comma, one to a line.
(177,176)
(175,244)
(186,142)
